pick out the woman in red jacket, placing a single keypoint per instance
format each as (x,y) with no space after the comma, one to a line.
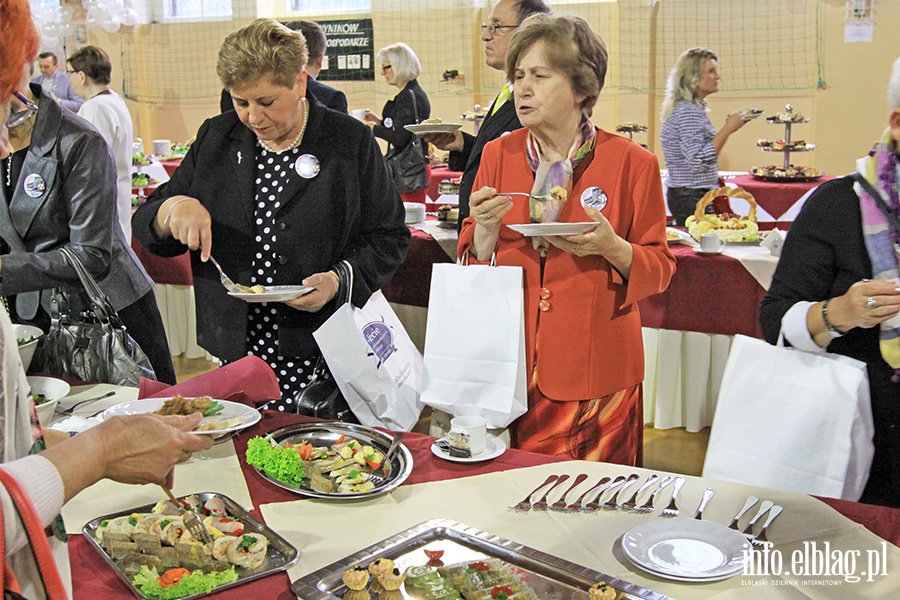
(583,328)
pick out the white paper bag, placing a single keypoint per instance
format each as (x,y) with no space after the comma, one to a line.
(475,343)
(375,364)
(792,420)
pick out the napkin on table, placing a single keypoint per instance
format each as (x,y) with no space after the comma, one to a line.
(774,241)
(248,380)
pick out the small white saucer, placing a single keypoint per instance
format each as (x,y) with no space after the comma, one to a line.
(493,448)
(704,253)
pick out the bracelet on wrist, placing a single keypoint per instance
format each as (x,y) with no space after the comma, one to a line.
(829,327)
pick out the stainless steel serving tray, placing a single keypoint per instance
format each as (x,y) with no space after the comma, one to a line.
(550,576)
(279,556)
(326,434)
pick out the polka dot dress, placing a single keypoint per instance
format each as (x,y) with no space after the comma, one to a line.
(272,173)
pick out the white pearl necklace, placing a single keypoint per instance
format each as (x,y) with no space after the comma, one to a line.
(297,139)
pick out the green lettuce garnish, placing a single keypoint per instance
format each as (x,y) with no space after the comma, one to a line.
(197,582)
(283,465)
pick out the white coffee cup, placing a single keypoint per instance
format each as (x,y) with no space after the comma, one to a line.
(468,429)
(710,242)
(359,113)
(162,147)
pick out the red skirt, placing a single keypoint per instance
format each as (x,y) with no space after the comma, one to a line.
(608,429)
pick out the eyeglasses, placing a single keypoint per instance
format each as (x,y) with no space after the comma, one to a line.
(19,117)
(495,29)
(385,67)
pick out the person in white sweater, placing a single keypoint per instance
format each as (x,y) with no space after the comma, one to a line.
(106,110)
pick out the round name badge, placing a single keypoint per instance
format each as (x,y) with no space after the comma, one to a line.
(35,186)
(388,122)
(307,166)
(594,197)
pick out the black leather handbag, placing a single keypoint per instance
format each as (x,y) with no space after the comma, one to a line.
(407,167)
(90,345)
(322,397)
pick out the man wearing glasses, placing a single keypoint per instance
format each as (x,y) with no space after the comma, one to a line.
(55,83)
(465,150)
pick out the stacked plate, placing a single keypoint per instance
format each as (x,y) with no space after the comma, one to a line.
(687,549)
(415,212)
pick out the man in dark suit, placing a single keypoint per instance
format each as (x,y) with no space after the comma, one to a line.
(315,45)
(465,150)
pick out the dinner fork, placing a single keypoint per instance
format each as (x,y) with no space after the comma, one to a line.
(71,409)
(631,503)
(535,196)
(525,505)
(542,503)
(750,503)
(384,469)
(649,505)
(225,279)
(595,505)
(190,518)
(672,509)
(708,493)
(560,505)
(612,503)
(761,540)
(578,504)
(763,509)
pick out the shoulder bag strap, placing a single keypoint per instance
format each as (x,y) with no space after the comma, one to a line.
(37,539)
(99,301)
(879,199)
(415,107)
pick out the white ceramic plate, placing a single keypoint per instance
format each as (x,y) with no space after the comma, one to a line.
(248,415)
(686,549)
(536,229)
(425,128)
(705,253)
(493,448)
(683,237)
(274,293)
(747,115)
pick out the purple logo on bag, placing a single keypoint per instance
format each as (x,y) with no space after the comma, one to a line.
(380,339)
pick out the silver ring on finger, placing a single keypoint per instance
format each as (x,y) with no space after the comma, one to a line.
(575,248)
(871,302)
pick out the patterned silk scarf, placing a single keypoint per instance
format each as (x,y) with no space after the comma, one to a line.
(882,169)
(551,178)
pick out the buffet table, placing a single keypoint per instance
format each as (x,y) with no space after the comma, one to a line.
(478,495)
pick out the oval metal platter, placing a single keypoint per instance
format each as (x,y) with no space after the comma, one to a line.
(326,434)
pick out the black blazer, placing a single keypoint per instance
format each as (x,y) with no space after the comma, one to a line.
(399,112)
(331,97)
(75,208)
(467,161)
(348,211)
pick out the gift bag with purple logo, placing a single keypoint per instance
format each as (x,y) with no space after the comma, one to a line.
(375,364)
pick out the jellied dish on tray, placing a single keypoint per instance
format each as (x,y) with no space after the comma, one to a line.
(448,546)
(327,434)
(279,554)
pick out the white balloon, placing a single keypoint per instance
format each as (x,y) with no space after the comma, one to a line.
(93,19)
(90,4)
(110,24)
(50,30)
(49,42)
(129,17)
(66,29)
(64,14)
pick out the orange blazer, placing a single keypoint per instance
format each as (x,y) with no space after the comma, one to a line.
(590,335)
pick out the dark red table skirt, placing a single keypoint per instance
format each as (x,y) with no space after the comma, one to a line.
(709,294)
(94,580)
(438,174)
(411,283)
(174,271)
